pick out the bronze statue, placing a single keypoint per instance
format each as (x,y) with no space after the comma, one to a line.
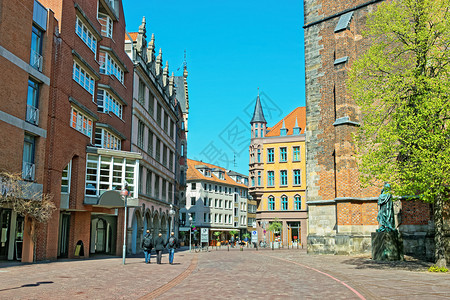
(386,210)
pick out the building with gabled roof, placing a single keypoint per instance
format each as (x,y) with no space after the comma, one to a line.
(278,176)
(216,199)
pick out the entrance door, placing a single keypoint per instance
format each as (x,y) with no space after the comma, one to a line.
(101,236)
(64,236)
(5,220)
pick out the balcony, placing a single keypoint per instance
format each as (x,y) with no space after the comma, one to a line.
(32,115)
(28,171)
(36,60)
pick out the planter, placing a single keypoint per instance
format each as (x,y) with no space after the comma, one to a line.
(218,244)
(181,244)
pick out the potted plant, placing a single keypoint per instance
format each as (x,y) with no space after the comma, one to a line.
(275,227)
(246,237)
(217,234)
(182,237)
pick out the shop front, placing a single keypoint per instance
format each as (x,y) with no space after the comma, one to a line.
(11,234)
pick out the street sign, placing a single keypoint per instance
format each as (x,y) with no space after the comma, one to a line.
(204,236)
(254,236)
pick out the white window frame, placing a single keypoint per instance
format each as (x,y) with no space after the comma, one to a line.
(86,35)
(108,140)
(109,66)
(107,30)
(83,78)
(109,103)
(82,123)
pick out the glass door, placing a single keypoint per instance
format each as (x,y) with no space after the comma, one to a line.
(5,220)
(64,236)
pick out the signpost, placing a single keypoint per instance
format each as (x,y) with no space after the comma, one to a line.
(204,235)
(254,236)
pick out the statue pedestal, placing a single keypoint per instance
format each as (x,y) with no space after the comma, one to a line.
(386,246)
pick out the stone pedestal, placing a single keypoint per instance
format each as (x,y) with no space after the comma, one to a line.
(386,246)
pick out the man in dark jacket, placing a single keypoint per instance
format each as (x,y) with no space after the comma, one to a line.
(159,247)
(147,245)
(172,244)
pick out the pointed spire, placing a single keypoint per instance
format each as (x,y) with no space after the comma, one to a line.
(284,125)
(172,85)
(159,62)
(296,122)
(151,49)
(140,40)
(166,74)
(296,130)
(258,115)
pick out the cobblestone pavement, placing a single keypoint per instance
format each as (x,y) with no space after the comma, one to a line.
(248,274)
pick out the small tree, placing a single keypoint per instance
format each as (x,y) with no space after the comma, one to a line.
(34,206)
(234,232)
(217,234)
(275,226)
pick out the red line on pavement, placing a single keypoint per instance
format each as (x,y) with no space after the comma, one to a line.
(326,274)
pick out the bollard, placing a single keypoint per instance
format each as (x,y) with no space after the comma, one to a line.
(228,247)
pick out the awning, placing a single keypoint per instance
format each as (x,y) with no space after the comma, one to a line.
(223,229)
(113,199)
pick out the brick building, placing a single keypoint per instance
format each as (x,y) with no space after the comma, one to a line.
(278,176)
(159,101)
(26,51)
(89,131)
(342,214)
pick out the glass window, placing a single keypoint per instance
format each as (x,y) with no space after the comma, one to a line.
(270,178)
(259,178)
(141,92)
(283,154)
(283,177)
(32,115)
(36,49)
(284,203)
(165,149)
(297,177)
(109,66)
(271,203)
(107,25)
(158,150)
(81,123)
(65,179)
(83,78)
(157,186)
(140,137)
(148,183)
(192,200)
(86,35)
(193,186)
(296,153)
(107,103)
(259,155)
(158,114)
(297,202)
(270,155)
(107,140)
(28,167)
(150,143)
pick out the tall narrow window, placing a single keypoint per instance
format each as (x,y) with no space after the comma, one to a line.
(259,155)
(150,143)
(148,183)
(296,153)
(81,76)
(164,155)
(271,203)
(283,177)
(140,139)
(107,25)
(259,178)
(297,177)
(106,102)
(170,160)
(36,49)
(283,154)
(284,203)
(65,179)
(270,178)
(81,123)
(28,168)
(158,114)
(297,202)
(164,189)
(157,186)
(86,35)
(158,150)
(270,155)
(33,102)
(141,95)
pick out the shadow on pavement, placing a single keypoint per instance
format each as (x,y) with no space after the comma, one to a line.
(409,264)
(28,285)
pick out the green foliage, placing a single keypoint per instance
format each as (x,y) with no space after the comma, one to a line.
(275,226)
(402,87)
(246,235)
(217,234)
(435,268)
(234,232)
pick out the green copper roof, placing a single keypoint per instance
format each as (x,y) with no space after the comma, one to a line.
(258,115)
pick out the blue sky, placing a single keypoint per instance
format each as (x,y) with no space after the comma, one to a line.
(233,47)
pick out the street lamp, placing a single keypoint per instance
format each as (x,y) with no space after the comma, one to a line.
(171,214)
(190,230)
(124,193)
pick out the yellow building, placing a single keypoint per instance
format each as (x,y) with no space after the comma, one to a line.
(278,177)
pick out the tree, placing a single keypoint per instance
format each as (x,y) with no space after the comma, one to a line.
(34,206)
(275,226)
(401,84)
(234,232)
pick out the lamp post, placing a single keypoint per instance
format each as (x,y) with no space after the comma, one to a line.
(171,214)
(190,234)
(124,193)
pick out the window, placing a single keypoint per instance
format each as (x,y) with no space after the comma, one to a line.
(256,133)
(164,155)
(141,182)
(297,202)
(157,186)
(32,115)
(206,202)
(297,177)
(109,66)
(150,143)
(171,128)
(36,49)
(170,160)
(270,178)
(158,114)
(107,25)
(220,218)
(259,178)
(65,179)
(253,181)
(283,154)
(107,140)
(28,168)
(220,189)
(193,186)
(215,218)
(166,123)
(170,193)
(296,153)
(140,139)
(83,78)
(141,95)
(151,106)
(271,203)
(215,188)
(221,175)
(148,183)
(81,123)
(105,173)
(158,149)
(183,218)
(182,150)
(259,155)
(283,177)
(270,155)
(86,35)
(215,203)
(192,200)
(284,203)
(220,203)
(107,103)
(193,217)
(164,189)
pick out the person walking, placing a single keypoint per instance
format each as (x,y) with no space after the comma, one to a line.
(172,245)
(159,247)
(147,245)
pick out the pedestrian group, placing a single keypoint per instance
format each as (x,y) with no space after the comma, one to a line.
(159,244)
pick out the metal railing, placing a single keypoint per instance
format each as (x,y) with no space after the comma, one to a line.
(36,60)
(28,170)
(32,115)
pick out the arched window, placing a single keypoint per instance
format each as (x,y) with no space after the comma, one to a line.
(271,203)
(284,202)
(297,202)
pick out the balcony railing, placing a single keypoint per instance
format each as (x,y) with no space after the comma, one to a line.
(36,60)
(28,170)
(32,115)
